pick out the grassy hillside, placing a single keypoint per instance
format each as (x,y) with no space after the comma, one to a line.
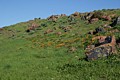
(53,49)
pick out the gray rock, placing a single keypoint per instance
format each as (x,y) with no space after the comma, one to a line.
(118,20)
(99,52)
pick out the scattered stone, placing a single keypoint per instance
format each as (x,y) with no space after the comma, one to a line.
(68,28)
(48,31)
(93,20)
(53,17)
(89,15)
(107,18)
(97,30)
(32,27)
(58,33)
(76,14)
(107,26)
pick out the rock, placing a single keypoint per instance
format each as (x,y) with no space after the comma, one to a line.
(71,18)
(58,33)
(67,28)
(93,20)
(116,22)
(107,26)
(99,29)
(53,17)
(76,14)
(99,52)
(88,16)
(48,31)
(107,18)
(102,40)
(104,47)
(91,32)
(32,27)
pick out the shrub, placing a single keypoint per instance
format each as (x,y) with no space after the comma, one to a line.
(97,15)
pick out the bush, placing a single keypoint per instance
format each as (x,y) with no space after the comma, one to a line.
(97,15)
(117,27)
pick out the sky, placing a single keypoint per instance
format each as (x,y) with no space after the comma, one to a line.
(15,11)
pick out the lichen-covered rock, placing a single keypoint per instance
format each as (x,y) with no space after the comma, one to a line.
(99,52)
(104,47)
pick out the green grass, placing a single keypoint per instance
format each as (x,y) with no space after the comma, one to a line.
(35,56)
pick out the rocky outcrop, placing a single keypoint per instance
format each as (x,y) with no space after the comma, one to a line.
(89,15)
(98,52)
(53,17)
(76,14)
(32,27)
(104,47)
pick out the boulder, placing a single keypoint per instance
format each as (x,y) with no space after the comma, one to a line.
(116,22)
(53,17)
(93,20)
(32,27)
(98,52)
(107,18)
(58,33)
(104,47)
(88,16)
(76,14)
(97,30)
(48,31)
